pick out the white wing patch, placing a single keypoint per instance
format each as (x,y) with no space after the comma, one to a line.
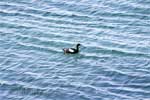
(71,50)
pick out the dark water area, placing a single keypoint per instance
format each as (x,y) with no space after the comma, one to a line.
(113,64)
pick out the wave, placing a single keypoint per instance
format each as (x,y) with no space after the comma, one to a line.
(113,62)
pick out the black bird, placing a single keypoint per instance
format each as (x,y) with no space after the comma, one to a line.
(72,50)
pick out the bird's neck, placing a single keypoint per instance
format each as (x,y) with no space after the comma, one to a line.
(77,47)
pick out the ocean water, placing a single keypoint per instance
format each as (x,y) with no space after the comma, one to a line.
(114,58)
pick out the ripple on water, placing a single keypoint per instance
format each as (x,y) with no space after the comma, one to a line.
(114,59)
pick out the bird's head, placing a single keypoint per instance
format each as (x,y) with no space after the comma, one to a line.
(78,44)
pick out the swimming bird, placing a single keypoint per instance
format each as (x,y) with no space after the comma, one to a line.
(72,50)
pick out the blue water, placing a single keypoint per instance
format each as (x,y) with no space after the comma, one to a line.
(113,64)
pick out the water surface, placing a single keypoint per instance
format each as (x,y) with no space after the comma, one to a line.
(114,62)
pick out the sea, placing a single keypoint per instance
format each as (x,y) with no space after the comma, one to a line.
(114,58)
